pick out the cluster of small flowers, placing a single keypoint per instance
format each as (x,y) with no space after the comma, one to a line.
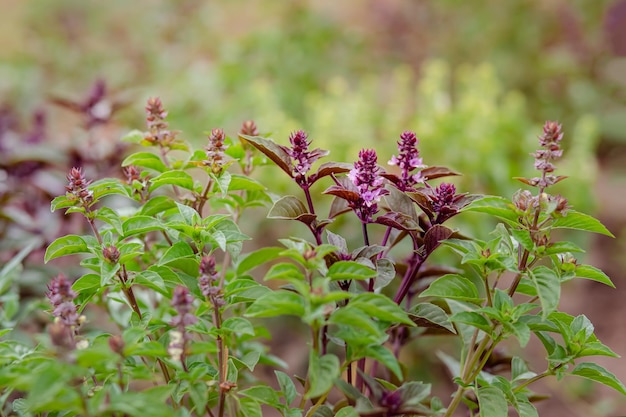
(67,320)
(158,132)
(208,279)
(366,177)
(77,187)
(182,301)
(550,142)
(249,128)
(302,159)
(408,160)
(443,199)
(215,151)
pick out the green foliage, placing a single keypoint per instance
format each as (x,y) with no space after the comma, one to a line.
(166,263)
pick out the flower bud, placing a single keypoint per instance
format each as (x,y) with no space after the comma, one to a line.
(249,128)
(111,254)
(116,343)
(523,200)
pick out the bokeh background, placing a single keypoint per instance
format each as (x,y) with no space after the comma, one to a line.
(475,80)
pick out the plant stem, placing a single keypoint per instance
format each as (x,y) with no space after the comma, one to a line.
(533,379)
(204,197)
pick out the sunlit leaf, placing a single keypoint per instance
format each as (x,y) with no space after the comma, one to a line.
(66,245)
(548,288)
(145,160)
(322,373)
(455,287)
(580,221)
(492,402)
(272,150)
(599,374)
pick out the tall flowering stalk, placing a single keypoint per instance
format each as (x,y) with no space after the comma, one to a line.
(408,160)
(65,312)
(366,178)
(158,132)
(302,159)
(182,301)
(216,157)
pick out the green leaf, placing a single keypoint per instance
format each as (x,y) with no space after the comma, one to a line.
(238,325)
(180,249)
(262,394)
(153,280)
(496,206)
(140,224)
(66,245)
(109,216)
(286,386)
(384,356)
(157,205)
(61,202)
(86,282)
(519,370)
(347,412)
(455,287)
(353,316)
(249,407)
(594,274)
(145,160)
(241,182)
(134,136)
(107,272)
(596,349)
(599,374)
(256,258)
(580,221)
(492,402)
(322,373)
(548,288)
(523,237)
(108,186)
(526,409)
(284,271)
(562,247)
(473,319)
(277,303)
(323,411)
(349,270)
(432,314)
(174,178)
(380,307)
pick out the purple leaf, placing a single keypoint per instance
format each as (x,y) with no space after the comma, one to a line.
(330,168)
(434,236)
(290,208)
(272,150)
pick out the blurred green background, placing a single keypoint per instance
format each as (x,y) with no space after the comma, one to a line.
(475,80)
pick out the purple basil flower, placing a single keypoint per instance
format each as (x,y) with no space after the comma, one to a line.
(77,186)
(208,280)
(550,142)
(444,197)
(408,161)
(366,177)
(215,151)
(62,297)
(301,157)
(299,152)
(182,301)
